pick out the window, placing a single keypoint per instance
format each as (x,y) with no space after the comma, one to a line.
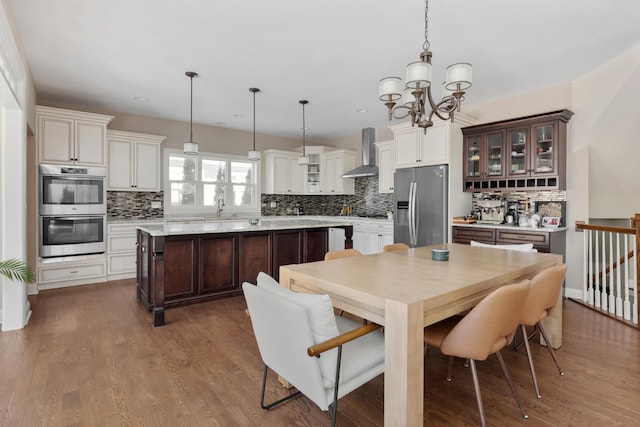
(194,184)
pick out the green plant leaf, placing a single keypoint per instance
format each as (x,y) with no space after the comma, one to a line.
(17,270)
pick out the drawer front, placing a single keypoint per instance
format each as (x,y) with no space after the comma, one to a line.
(73,272)
(121,263)
(465,234)
(540,240)
(121,243)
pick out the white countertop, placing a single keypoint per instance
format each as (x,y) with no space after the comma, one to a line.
(209,219)
(512,227)
(226,226)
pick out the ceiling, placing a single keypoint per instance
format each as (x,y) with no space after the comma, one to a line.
(104,54)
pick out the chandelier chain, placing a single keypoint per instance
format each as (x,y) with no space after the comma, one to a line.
(426,44)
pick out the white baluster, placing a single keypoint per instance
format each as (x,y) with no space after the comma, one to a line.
(603,260)
(612,292)
(590,260)
(596,262)
(618,280)
(628,264)
(585,265)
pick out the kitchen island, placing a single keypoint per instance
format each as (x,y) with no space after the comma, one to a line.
(186,263)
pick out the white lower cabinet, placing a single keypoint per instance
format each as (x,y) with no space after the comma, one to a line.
(370,237)
(336,239)
(121,250)
(69,271)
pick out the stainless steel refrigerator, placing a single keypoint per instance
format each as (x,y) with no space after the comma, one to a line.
(420,213)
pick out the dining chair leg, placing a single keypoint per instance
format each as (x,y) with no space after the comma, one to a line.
(531,367)
(476,386)
(510,381)
(449,368)
(553,354)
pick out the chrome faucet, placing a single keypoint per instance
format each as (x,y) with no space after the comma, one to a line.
(220,206)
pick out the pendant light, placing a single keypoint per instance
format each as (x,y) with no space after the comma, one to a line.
(191,147)
(254,155)
(304,159)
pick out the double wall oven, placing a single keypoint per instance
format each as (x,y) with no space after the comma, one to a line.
(72,210)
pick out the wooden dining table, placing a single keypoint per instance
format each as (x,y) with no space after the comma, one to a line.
(405,291)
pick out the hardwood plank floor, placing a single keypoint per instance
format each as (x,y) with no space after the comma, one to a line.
(90,357)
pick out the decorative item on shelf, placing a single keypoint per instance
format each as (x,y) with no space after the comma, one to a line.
(191,147)
(254,154)
(304,159)
(418,100)
(551,222)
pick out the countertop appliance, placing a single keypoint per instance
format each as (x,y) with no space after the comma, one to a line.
(421,200)
(491,211)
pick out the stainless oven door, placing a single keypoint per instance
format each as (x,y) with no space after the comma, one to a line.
(72,235)
(72,195)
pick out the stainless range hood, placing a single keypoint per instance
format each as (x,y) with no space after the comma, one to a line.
(368,167)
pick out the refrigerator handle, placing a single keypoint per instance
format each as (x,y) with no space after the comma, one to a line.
(416,217)
(412,214)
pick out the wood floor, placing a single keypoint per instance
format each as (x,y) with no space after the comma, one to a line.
(90,357)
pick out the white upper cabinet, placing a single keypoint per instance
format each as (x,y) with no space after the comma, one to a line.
(338,162)
(282,173)
(71,137)
(386,165)
(323,174)
(133,161)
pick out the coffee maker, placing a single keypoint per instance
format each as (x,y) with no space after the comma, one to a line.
(491,212)
(512,213)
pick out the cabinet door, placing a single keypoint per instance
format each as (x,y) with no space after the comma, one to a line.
(281,173)
(287,247)
(494,154)
(296,176)
(255,256)
(407,148)
(120,176)
(544,149)
(435,146)
(147,166)
(359,238)
(517,151)
(385,167)
(331,170)
(55,140)
(218,262)
(90,143)
(472,153)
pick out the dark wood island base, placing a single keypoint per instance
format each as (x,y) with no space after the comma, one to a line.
(179,269)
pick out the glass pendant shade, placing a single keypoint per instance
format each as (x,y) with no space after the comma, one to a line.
(254,155)
(418,75)
(390,86)
(190,148)
(303,160)
(458,74)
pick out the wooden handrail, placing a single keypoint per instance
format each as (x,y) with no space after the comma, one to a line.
(624,230)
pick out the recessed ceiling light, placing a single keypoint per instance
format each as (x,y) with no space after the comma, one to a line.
(238,116)
(141,98)
(362,110)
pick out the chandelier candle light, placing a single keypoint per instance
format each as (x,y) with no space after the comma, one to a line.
(416,96)
(304,159)
(254,154)
(191,147)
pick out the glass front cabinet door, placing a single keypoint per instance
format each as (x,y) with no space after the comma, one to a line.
(494,154)
(472,148)
(518,140)
(544,156)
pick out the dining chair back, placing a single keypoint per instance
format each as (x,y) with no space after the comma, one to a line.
(344,253)
(543,297)
(485,330)
(395,247)
(299,338)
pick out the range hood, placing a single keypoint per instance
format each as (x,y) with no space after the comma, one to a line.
(368,167)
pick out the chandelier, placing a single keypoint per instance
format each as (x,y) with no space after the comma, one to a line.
(254,155)
(417,100)
(191,147)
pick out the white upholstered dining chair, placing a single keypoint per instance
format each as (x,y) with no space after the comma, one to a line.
(325,357)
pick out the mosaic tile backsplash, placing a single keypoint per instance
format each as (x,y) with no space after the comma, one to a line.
(365,201)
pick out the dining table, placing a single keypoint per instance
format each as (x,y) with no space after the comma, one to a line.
(406,290)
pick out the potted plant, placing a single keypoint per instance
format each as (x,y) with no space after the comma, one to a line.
(17,270)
